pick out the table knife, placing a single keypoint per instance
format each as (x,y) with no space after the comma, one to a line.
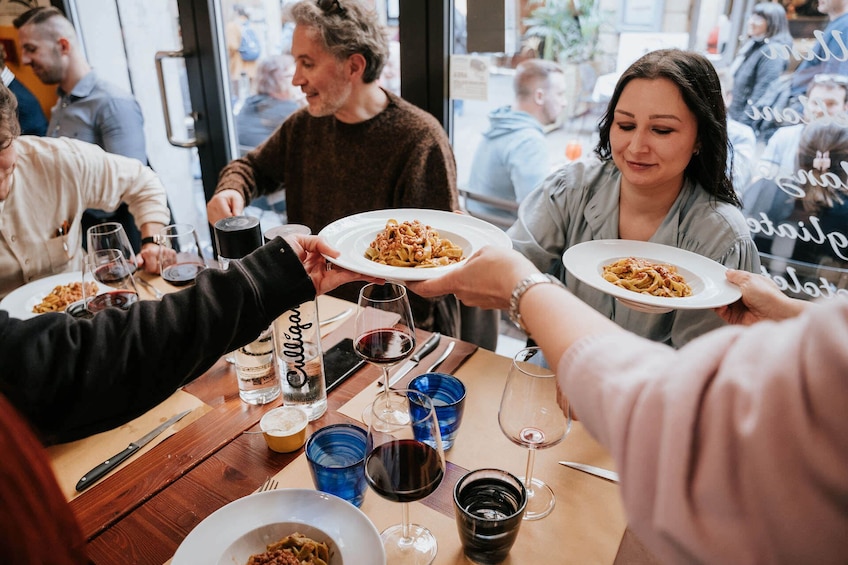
(445,354)
(611,476)
(431,344)
(101,470)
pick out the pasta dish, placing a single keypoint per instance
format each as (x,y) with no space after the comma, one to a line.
(61,297)
(412,244)
(296,549)
(646,277)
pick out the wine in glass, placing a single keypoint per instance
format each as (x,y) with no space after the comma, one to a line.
(400,468)
(111,235)
(530,416)
(180,255)
(385,336)
(107,268)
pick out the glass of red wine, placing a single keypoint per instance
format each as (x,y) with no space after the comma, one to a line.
(402,469)
(107,281)
(111,235)
(180,254)
(385,336)
(531,417)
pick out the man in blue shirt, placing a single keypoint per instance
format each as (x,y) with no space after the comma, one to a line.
(512,159)
(828,54)
(89,108)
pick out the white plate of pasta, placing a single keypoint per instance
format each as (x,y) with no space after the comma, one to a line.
(651,277)
(443,241)
(245,527)
(21,301)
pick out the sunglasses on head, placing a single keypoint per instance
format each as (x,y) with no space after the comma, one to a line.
(830,78)
(331,7)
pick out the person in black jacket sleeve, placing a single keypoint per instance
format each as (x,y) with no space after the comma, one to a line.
(71,378)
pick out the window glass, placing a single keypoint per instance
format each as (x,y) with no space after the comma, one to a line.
(792,172)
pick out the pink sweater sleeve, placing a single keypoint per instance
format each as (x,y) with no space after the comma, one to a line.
(733,449)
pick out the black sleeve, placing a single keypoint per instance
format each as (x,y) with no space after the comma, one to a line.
(71,377)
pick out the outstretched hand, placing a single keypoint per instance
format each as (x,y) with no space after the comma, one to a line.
(485,280)
(311,250)
(761,300)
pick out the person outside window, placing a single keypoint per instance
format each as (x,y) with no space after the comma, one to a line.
(827,58)
(513,157)
(755,67)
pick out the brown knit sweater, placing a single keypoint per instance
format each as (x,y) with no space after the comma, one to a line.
(400,158)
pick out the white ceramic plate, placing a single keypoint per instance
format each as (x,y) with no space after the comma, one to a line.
(710,288)
(352,236)
(22,300)
(230,535)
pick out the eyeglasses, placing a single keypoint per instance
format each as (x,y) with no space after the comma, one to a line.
(331,7)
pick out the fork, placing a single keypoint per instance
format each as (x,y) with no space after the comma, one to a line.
(269,484)
(155,291)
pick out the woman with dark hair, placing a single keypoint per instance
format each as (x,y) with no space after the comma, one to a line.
(661,176)
(757,66)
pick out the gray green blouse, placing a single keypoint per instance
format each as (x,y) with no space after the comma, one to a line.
(579,202)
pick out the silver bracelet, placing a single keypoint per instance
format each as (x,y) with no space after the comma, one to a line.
(520,289)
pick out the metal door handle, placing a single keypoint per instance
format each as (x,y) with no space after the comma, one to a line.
(160,55)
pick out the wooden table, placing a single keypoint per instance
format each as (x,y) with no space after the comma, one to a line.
(143,511)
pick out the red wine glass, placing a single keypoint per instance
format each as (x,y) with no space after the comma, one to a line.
(401,468)
(530,416)
(111,235)
(180,254)
(385,336)
(107,281)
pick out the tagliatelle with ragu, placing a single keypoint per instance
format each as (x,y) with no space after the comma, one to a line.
(647,277)
(412,244)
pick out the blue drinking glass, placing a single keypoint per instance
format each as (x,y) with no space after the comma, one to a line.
(336,455)
(448,395)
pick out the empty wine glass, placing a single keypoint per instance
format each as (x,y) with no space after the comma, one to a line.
(111,235)
(180,254)
(400,468)
(530,416)
(107,269)
(385,336)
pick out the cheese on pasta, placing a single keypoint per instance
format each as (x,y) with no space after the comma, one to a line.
(646,277)
(412,244)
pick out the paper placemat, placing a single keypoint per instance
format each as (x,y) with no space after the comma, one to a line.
(70,461)
(330,306)
(588,511)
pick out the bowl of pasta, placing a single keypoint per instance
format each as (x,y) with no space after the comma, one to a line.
(319,528)
(651,277)
(409,244)
(49,294)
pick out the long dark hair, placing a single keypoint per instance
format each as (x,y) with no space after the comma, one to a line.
(699,86)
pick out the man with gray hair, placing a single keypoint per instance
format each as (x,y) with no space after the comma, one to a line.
(89,108)
(355,147)
(513,156)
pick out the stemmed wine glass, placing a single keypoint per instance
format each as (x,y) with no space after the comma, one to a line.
(107,267)
(180,254)
(530,416)
(401,467)
(111,235)
(385,336)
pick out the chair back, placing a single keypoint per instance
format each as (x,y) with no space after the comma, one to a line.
(510,206)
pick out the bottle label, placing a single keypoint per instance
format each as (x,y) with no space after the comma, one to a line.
(294,349)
